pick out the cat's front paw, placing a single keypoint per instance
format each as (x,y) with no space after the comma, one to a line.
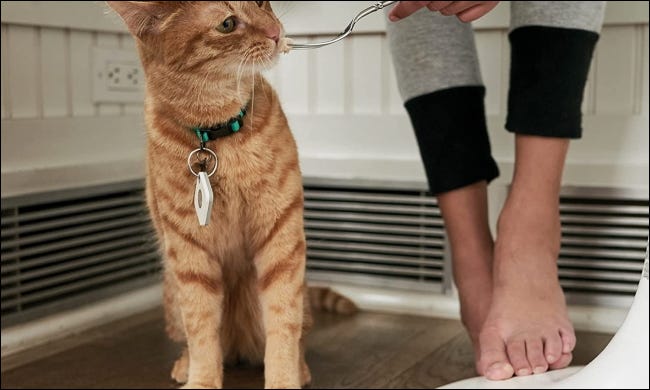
(191,385)
(282,385)
(305,375)
(181,368)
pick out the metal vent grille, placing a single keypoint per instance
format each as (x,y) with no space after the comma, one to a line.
(604,238)
(374,236)
(62,249)
(377,235)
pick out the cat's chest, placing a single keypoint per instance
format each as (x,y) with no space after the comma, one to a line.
(230,174)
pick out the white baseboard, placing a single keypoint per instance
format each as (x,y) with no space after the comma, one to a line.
(584,318)
(20,337)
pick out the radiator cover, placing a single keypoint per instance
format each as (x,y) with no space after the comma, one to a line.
(72,247)
(66,248)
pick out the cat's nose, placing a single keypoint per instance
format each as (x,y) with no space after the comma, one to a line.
(272,32)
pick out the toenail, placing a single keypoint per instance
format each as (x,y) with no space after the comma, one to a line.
(498,369)
(539,370)
(550,359)
(523,372)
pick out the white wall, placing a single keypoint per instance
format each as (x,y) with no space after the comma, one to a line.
(341,100)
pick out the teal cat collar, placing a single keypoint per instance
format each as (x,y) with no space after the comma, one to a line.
(232,126)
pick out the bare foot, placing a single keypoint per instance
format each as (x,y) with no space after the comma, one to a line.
(475,295)
(465,212)
(527,330)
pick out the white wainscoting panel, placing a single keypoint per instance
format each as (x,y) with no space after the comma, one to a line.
(294,89)
(23,71)
(4,55)
(329,70)
(489,46)
(81,93)
(364,77)
(54,72)
(617,71)
(46,75)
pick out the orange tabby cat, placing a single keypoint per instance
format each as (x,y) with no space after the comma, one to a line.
(234,289)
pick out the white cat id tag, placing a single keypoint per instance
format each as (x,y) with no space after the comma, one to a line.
(203,198)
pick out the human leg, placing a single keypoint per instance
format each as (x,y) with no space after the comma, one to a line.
(527,329)
(465,213)
(438,76)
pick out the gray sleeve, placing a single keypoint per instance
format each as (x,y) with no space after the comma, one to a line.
(432,52)
(582,15)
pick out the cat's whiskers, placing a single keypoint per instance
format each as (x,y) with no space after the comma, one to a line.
(240,69)
(263,65)
(253,93)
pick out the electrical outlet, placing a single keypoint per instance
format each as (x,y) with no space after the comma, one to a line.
(117,76)
(122,76)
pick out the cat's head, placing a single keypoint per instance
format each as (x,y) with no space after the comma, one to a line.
(203,37)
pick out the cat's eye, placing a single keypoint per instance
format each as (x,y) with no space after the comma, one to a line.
(259,3)
(227,26)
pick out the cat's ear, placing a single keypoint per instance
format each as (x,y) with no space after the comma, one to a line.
(143,17)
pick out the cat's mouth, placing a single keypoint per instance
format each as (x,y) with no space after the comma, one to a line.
(282,46)
(255,58)
(264,56)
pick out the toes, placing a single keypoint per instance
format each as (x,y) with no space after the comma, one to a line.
(568,340)
(552,347)
(494,362)
(499,371)
(517,356)
(535,353)
(562,362)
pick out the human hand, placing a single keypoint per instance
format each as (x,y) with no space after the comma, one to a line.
(466,11)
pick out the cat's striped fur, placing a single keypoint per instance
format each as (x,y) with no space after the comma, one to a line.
(233,289)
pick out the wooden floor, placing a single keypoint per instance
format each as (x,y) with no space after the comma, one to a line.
(367,350)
